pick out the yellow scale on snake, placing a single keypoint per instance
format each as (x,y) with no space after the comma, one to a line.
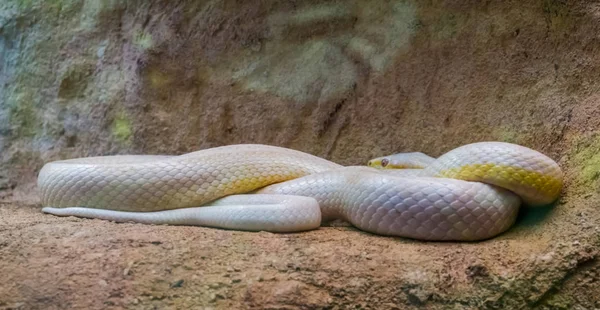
(470,193)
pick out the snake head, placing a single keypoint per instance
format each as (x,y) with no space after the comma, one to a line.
(379,162)
(412,160)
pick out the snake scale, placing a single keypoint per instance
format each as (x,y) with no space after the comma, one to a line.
(470,193)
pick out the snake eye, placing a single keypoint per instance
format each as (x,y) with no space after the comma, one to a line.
(385,162)
(370,163)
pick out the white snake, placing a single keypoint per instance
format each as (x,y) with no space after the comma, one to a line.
(470,193)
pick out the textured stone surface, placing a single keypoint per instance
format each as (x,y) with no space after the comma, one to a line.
(345,80)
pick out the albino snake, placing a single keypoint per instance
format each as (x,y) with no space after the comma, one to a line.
(470,193)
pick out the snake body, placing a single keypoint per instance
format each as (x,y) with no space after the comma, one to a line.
(470,193)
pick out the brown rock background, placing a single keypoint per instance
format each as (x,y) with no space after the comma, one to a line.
(345,80)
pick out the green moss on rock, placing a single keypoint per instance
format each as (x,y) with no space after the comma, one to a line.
(557,15)
(586,160)
(75,81)
(22,116)
(121,127)
(143,40)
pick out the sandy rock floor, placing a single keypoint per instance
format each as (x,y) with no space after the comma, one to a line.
(50,262)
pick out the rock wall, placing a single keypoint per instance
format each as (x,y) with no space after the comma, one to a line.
(345,80)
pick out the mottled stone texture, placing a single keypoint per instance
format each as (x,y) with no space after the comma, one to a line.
(345,80)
